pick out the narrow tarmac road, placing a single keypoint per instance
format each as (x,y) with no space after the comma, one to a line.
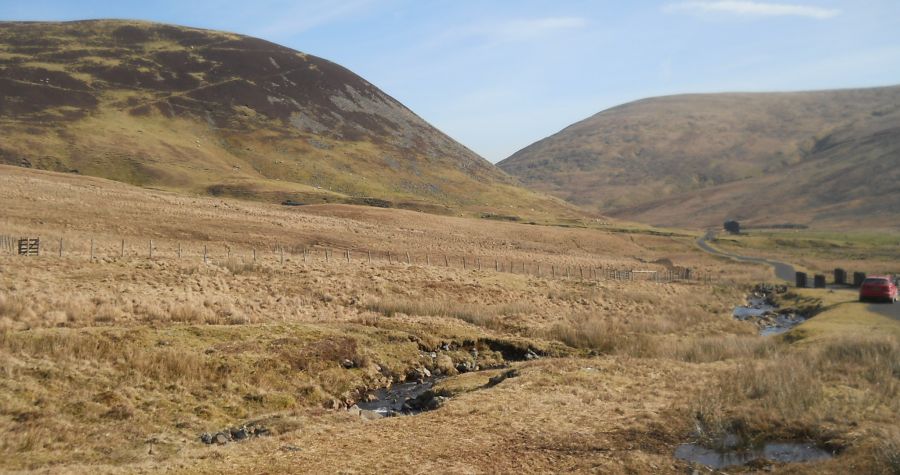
(886,309)
(786,271)
(783,270)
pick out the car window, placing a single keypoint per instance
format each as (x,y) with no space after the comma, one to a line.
(876,281)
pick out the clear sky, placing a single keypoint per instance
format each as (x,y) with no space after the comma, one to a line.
(499,75)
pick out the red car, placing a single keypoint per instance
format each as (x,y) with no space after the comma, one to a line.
(878,287)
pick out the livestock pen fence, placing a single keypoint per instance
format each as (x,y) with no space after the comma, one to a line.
(105,249)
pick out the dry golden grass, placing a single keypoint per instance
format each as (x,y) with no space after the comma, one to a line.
(154,352)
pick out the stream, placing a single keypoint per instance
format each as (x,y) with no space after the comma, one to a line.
(399,399)
(768,317)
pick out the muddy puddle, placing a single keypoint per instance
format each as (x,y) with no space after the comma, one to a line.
(770,452)
(769,318)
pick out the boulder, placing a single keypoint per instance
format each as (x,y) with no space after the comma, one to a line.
(418,374)
(465,367)
(370,415)
(239,433)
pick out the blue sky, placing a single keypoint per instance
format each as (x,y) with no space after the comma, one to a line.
(500,75)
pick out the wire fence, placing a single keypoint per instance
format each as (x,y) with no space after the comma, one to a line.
(273,253)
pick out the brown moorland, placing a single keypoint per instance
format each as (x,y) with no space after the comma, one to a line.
(825,158)
(117,364)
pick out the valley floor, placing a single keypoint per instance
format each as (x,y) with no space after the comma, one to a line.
(119,363)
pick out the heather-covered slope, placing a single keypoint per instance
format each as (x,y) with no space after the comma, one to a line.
(220,113)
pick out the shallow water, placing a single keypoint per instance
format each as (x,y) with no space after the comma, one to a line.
(756,307)
(782,452)
(783,323)
(390,400)
(777,323)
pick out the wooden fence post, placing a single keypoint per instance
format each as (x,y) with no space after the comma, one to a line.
(408,261)
(427,259)
(254,253)
(348,255)
(390,259)
(281,249)
(92,249)
(60,247)
(446,261)
(204,253)
(369,254)
(151,249)
(465,265)
(179,252)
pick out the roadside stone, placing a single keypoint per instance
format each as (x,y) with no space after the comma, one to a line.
(206,438)
(221,438)
(354,410)
(347,364)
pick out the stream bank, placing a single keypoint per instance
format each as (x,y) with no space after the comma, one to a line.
(762,311)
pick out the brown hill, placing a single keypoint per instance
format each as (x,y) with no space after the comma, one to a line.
(212,112)
(830,157)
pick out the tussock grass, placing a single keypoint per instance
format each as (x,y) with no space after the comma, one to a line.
(803,391)
(887,451)
(238,266)
(488,316)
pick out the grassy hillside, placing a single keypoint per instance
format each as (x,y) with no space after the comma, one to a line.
(828,157)
(223,114)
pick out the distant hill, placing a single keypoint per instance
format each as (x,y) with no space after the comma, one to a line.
(828,157)
(223,114)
